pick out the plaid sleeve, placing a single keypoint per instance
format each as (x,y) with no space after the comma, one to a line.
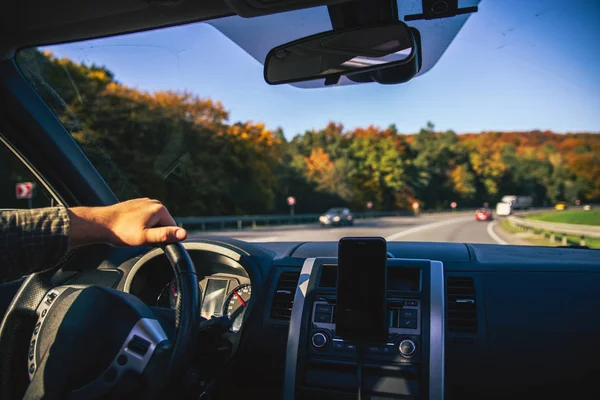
(32,240)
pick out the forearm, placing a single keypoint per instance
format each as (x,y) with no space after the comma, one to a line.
(90,225)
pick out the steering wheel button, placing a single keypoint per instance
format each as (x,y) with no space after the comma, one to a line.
(138,345)
(50,298)
(32,368)
(44,311)
(122,359)
(31,350)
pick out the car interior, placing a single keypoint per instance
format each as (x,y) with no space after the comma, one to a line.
(222,318)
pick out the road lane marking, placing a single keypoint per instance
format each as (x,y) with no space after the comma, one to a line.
(494,235)
(425,227)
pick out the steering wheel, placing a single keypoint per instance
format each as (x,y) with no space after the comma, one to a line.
(89,342)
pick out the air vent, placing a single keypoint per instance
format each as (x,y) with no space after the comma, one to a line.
(461,305)
(283,300)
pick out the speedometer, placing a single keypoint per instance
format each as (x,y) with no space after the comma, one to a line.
(167,298)
(235,305)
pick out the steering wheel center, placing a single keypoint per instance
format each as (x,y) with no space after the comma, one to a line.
(81,332)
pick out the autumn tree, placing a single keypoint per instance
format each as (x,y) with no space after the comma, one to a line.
(182,148)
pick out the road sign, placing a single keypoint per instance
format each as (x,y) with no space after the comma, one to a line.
(453,204)
(24,190)
(291,201)
(369,204)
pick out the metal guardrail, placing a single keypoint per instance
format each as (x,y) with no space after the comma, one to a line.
(555,228)
(254,221)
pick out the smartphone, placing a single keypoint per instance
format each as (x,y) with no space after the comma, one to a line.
(360,312)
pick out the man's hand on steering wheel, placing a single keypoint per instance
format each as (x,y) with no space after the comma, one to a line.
(135,222)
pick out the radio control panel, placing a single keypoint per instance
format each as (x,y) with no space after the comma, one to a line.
(402,346)
(404,315)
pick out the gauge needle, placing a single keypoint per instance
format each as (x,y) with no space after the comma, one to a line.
(239,298)
(173,290)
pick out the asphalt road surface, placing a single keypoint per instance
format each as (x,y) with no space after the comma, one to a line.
(432,228)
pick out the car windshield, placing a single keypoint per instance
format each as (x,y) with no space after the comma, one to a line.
(505,104)
(335,211)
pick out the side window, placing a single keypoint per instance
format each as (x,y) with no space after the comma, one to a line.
(18,186)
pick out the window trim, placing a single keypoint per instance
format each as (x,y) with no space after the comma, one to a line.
(37,175)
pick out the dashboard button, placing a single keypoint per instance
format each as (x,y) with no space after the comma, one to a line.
(349,346)
(407,348)
(338,344)
(373,349)
(408,324)
(412,303)
(322,317)
(323,308)
(408,313)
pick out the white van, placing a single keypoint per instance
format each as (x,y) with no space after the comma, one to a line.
(503,208)
(518,202)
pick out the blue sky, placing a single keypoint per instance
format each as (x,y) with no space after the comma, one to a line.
(515,65)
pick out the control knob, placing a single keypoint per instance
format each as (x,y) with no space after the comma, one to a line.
(319,340)
(407,348)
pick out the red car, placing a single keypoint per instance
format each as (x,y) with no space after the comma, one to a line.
(483,214)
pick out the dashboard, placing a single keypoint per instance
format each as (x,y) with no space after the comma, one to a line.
(466,321)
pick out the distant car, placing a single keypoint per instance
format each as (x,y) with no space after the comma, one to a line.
(560,206)
(483,214)
(337,217)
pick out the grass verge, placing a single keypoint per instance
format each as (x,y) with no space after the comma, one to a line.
(581,217)
(543,238)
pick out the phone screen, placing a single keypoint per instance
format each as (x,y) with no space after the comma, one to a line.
(360,312)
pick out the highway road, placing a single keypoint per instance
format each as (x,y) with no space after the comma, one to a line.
(431,228)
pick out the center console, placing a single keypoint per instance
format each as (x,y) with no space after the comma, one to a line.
(408,365)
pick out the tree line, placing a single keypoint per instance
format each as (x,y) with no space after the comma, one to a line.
(184,150)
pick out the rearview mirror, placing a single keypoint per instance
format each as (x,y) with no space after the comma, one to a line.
(348,52)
